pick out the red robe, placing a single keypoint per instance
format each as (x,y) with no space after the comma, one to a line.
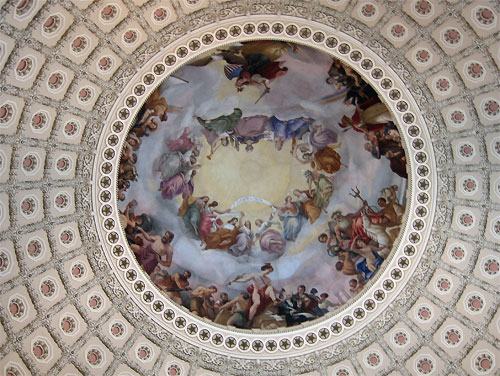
(273,71)
(359,230)
(264,300)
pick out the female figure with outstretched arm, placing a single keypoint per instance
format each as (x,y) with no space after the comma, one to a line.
(261,291)
(245,238)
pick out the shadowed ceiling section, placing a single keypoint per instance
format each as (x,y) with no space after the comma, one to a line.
(74,74)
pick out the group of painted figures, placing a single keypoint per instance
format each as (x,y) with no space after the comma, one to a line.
(203,219)
(371,117)
(358,242)
(250,308)
(150,117)
(252,63)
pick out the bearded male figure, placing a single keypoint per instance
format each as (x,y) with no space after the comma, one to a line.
(158,249)
(342,225)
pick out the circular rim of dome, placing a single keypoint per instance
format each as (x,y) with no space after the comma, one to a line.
(412,240)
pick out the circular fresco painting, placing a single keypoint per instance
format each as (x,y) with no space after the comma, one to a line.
(262,185)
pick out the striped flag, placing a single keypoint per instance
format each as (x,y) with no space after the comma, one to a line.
(232,70)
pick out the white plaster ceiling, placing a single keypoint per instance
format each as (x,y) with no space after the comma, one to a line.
(67,68)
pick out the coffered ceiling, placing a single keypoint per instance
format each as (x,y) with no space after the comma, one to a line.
(67,69)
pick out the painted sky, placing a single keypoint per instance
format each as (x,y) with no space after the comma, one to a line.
(210,94)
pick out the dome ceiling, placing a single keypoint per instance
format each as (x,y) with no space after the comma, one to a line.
(254,164)
(74,300)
